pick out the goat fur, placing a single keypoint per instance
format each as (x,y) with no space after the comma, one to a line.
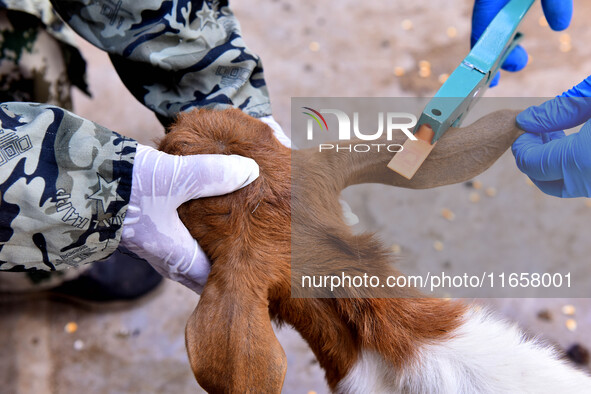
(249,234)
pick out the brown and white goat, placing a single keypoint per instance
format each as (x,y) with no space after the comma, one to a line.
(401,342)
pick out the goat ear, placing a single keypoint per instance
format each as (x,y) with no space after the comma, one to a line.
(230,340)
(460,155)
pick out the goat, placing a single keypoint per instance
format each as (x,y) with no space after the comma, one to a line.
(400,342)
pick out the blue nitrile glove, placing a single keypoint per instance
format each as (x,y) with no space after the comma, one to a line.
(559,165)
(558,14)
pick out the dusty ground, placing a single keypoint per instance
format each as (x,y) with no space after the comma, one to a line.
(329,48)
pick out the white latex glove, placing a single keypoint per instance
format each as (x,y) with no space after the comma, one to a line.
(277,130)
(161,183)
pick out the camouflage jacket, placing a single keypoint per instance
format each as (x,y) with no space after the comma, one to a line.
(174,55)
(65,182)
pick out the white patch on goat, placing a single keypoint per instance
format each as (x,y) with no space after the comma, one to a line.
(370,374)
(485,355)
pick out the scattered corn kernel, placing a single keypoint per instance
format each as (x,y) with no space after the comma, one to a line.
(542,21)
(565,42)
(588,202)
(452,32)
(490,191)
(568,310)
(565,38)
(448,214)
(424,64)
(565,47)
(78,344)
(474,197)
(571,324)
(406,24)
(477,185)
(396,248)
(424,72)
(424,69)
(311,392)
(71,327)
(314,46)
(398,71)
(438,246)
(443,77)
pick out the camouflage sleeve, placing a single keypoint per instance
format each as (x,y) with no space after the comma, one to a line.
(174,55)
(65,183)
(18,33)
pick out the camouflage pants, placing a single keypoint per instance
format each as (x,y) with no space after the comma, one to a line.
(32,68)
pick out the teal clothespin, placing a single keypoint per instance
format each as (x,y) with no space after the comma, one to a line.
(473,76)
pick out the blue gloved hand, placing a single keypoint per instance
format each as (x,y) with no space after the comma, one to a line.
(559,165)
(558,14)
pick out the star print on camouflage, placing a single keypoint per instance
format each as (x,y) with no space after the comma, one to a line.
(62,203)
(187,52)
(173,56)
(206,15)
(106,193)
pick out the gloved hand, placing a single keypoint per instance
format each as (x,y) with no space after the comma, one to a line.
(558,14)
(559,165)
(277,130)
(161,183)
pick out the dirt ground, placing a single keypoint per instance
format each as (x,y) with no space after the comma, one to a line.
(329,48)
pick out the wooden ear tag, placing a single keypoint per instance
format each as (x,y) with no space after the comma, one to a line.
(409,159)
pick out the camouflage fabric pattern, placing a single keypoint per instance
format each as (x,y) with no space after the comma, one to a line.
(174,55)
(38,61)
(32,67)
(42,21)
(43,11)
(65,183)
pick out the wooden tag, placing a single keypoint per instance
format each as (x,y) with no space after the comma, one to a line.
(414,153)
